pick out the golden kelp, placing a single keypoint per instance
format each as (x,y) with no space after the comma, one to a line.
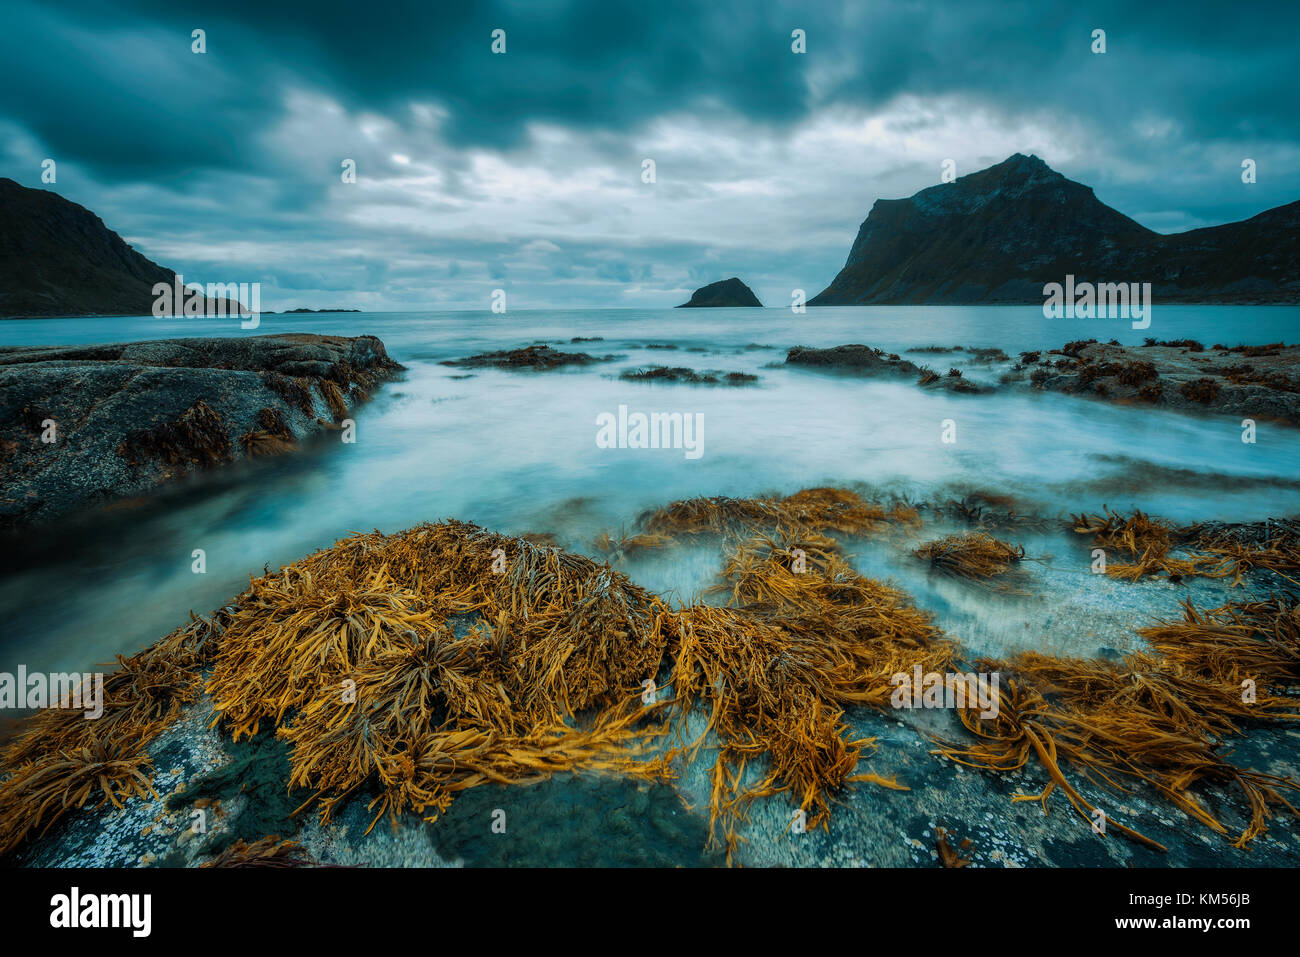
(268,851)
(357,654)
(1158,718)
(804,638)
(814,509)
(60,758)
(1211,551)
(417,665)
(972,555)
(41,791)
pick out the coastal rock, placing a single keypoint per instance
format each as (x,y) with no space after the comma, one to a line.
(688,376)
(1258,382)
(853,358)
(536,357)
(59,259)
(858,359)
(726,292)
(1000,234)
(83,425)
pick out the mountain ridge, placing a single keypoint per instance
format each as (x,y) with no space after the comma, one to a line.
(1000,234)
(58,258)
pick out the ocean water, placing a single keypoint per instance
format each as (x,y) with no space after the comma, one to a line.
(517,452)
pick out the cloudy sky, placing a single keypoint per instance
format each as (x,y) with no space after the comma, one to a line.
(523,171)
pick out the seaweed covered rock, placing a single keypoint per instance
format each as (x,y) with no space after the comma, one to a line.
(83,425)
(537,357)
(388,675)
(688,376)
(1258,382)
(863,360)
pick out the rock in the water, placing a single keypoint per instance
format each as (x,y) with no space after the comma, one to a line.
(81,425)
(1257,382)
(858,359)
(537,357)
(688,376)
(727,292)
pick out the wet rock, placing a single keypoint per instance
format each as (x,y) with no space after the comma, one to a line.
(84,425)
(689,376)
(536,357)
(1258,382)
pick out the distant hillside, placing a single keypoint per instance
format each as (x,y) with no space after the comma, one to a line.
(1000,234)
(59,259)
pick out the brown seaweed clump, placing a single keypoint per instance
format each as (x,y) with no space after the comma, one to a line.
(333,396)
(271,437)
(438,659)
(1157,718)
(197,438)
(268,851)
(1206,550)
(804,637)
(973,555)
(60,760)
(814,509)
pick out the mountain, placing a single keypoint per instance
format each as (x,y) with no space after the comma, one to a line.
(726,292)
(59,259)
(1001,234)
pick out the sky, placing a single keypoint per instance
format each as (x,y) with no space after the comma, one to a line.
(525,170)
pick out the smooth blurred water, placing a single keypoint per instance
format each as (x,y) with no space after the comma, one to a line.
(516,451)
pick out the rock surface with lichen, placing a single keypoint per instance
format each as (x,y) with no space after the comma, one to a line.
(90,425)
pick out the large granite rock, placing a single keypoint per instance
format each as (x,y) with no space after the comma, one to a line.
(128,417)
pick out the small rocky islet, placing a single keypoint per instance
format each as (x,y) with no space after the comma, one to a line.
(726,293)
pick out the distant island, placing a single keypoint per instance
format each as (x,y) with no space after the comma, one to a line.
(1000,235)
(291,312)
(727,292)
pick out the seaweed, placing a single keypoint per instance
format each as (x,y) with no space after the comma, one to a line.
(267,851)
(296,392)
(1136,372)
(197,438)
(1207,551)
(1203,389)
(1156,718)
(271,437)
(407,669)
(972,555)
(333,396)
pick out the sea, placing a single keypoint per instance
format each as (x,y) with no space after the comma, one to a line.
(518,452)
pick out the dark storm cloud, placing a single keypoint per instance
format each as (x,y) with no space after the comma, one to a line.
(166,137)
(120,88)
